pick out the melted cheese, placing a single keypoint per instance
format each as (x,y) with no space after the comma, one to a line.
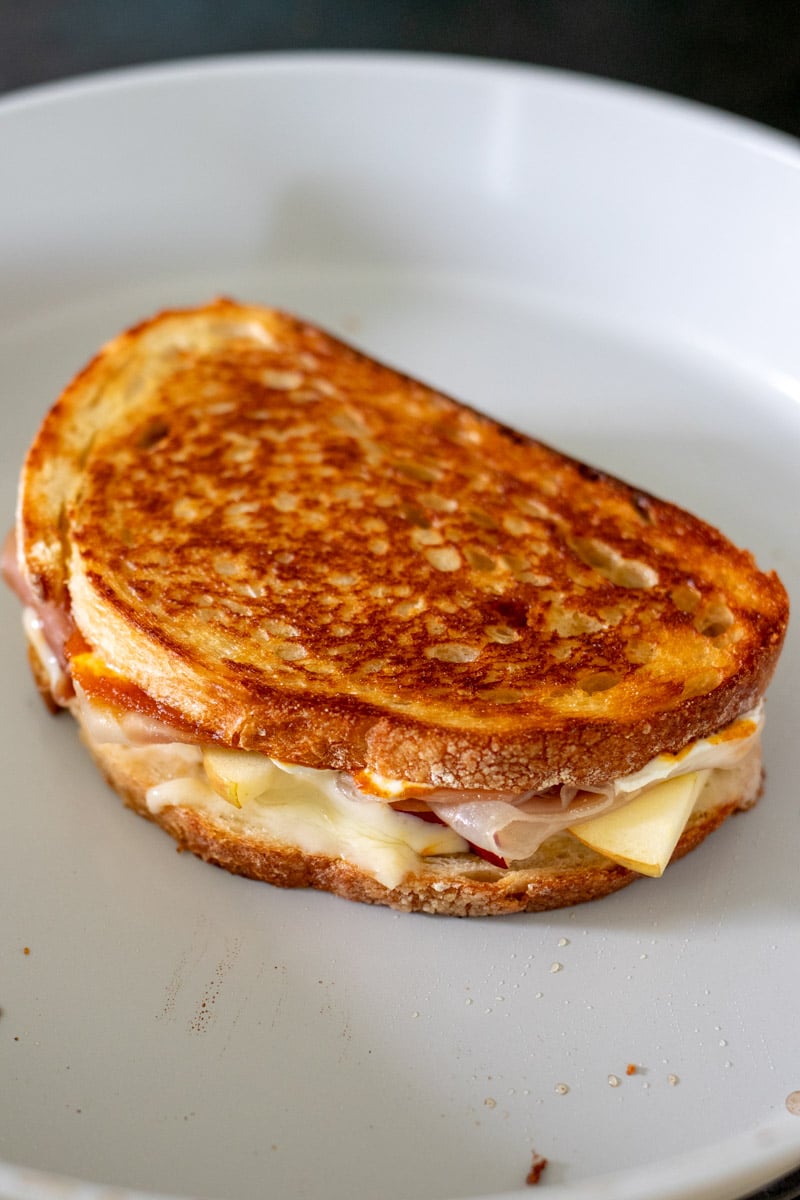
(725,749)
(326,812)
(306,808)
(34,632)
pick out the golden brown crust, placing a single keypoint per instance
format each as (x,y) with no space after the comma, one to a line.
(561,874)
(309,554)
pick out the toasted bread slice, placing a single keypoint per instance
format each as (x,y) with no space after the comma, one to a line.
(296,550)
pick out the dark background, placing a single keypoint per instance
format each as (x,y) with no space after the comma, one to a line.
(739,55)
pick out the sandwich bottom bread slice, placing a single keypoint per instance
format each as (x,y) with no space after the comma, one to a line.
(331,628)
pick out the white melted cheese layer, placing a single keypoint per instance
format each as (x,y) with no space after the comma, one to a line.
(305,808)
(34,632)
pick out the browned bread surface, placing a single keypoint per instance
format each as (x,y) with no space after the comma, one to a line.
(308,554)
(563,872)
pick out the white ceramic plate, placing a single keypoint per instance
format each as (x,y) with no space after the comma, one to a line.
(616,273)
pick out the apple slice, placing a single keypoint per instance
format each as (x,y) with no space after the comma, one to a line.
(237,775)
(642,835)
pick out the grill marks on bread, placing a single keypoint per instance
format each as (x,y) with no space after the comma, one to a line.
(285,514)
(288,507)
(310,522)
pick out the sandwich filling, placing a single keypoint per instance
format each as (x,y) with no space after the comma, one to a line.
(384,826)
(323,811)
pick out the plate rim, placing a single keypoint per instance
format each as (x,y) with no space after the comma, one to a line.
(175,69)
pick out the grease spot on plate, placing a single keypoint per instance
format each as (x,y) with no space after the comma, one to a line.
(204,1013)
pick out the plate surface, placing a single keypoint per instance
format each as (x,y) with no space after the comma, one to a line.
(615,273)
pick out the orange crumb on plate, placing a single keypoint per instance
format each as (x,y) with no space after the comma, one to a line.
(538,1164)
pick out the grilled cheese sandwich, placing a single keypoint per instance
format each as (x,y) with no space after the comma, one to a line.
(330,627)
